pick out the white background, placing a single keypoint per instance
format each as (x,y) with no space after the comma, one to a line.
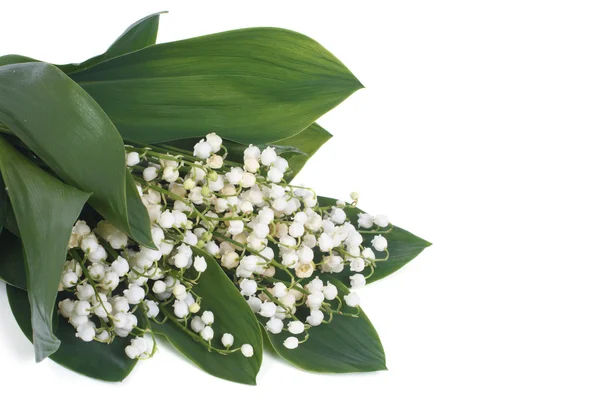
(477,131)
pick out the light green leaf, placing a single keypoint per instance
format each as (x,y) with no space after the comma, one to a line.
(254,85)
(347,344)
(232,315)
(45,209)
(94,359)
(402,245)
(12,264)
(69,131)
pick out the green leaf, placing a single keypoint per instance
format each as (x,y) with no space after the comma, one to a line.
(45,209)
(254,85)
(94,359)
(347,344)
(69,131)
(3,204)
(402,245)
(232,315)
(12,264)
(308,142)
(139,35)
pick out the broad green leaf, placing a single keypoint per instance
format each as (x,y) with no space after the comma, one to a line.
(232,315)
(402,245)
(139,35)
(347,344)
(255,85)
(15,59)
(12,264)
(69,131)
(94,359)
(45,210)
(3,204)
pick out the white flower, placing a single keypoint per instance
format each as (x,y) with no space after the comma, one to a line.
(152,309)
(230,259)
(202,149)
(368,254)
(337,215)
(65,308)
(208,317)
(150,174)
(69,279)
(207,333)
(268,309)
(354,196)
(274,175)
(170,174)
(200,264)
(89,243)
(261,230)
(279,289)
(314,286)
(133,158)
(315,318)
(181,260)
(181,309)
(110,281)
(379,243)
(314,300)
(194,308)
(97,271)
(291,342)
(235,175)
(166,220)
(227,340)
(330,291)
(81,228)
(82,308)
(248,287)
(248,180)
(197,325)
(120,304)
(295,327)
(120,266)
(247,350)
(255,303)
(215,142)
(235,227)
(274,325)
(135,294)
(86,331)
(305,270)
(325,242)
(365,221)
(357,281)
(305,255)
(352,299)
(251,164)
(215,162)
(296,230)
(159,287)
(281,164)
(268,156)
(357,265)
(382,220)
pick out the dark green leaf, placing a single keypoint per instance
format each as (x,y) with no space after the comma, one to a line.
(402,245)
(69,131)
(15,59)
(347,344)
(3,204)
(139,35)
(45,210)
(12,264)
(254,85)
(94,359)
(232,315)
(308,142)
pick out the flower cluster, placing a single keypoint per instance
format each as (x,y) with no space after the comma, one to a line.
(273,239)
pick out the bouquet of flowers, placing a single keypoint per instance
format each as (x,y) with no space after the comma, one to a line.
(147,194)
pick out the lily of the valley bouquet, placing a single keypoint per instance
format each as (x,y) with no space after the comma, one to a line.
(147,199)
